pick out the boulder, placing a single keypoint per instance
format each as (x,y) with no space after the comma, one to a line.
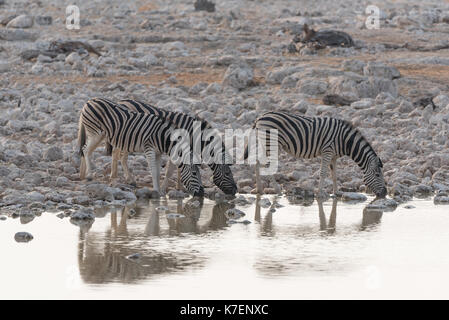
(238,76)
(22,22)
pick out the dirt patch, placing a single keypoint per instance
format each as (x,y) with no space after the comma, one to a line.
(437,73)
(148,7)
(183,78)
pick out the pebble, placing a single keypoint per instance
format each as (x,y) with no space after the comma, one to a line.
(134,256)
(234,214)
(238,76)
(383,204)
(23,237)
(23,21)
(441,200)
(264,203)
(232,221)
(176,194)
(53,154)
(353,196)
(82,215)
(174,216)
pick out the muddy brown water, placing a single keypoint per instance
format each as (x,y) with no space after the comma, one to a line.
(298,251)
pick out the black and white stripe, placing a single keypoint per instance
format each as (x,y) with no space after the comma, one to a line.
(129,131)
(330,138)
(222,174)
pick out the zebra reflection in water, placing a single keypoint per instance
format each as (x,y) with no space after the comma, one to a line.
(102,257)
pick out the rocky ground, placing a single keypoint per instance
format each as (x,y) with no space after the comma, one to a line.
(229,66)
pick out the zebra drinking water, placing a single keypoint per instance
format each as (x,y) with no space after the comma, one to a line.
(330,138)
(222,174)
(129,131)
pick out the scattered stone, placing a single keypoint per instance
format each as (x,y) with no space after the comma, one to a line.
(240,200)
(325,37)
(23,21)
(53,154)
(204,5)
(23,237)
(424,102)
(35,196)
(176,194)
(135,256)
(67,47)
(232,221)
(234,214)
(73,58)
(379,69)
(334,99)
(43,20)
(264,203)
(146,193)
(383,204)
(82,214)
(238,76)
(353,197)
(174,216)
(17,35)
(440,199)
(300,193)
(6,19)
(422,190)
(441,101)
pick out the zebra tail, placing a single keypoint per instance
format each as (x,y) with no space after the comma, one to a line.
(81,138)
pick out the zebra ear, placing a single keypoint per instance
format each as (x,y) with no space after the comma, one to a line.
(380,163)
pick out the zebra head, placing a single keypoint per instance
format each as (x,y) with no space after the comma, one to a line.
(223,178)
(374,178)
(191,179)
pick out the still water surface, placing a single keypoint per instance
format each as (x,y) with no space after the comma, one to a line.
(299,251)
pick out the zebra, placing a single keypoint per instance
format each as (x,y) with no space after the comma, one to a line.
(222,174)
(102,119)
(330,138)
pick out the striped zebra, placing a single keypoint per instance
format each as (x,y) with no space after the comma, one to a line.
(129,131)
(330,138)
(222,174)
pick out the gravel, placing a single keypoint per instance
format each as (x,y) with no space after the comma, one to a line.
(229,66)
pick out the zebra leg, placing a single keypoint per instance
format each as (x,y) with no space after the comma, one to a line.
(114,164)
(91,145)
(168,173)
(325,163)
(128,175)
(258,182)
(333,217)
(150,154)
(83,168)
(333,167)
(157,169)
(178,181)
